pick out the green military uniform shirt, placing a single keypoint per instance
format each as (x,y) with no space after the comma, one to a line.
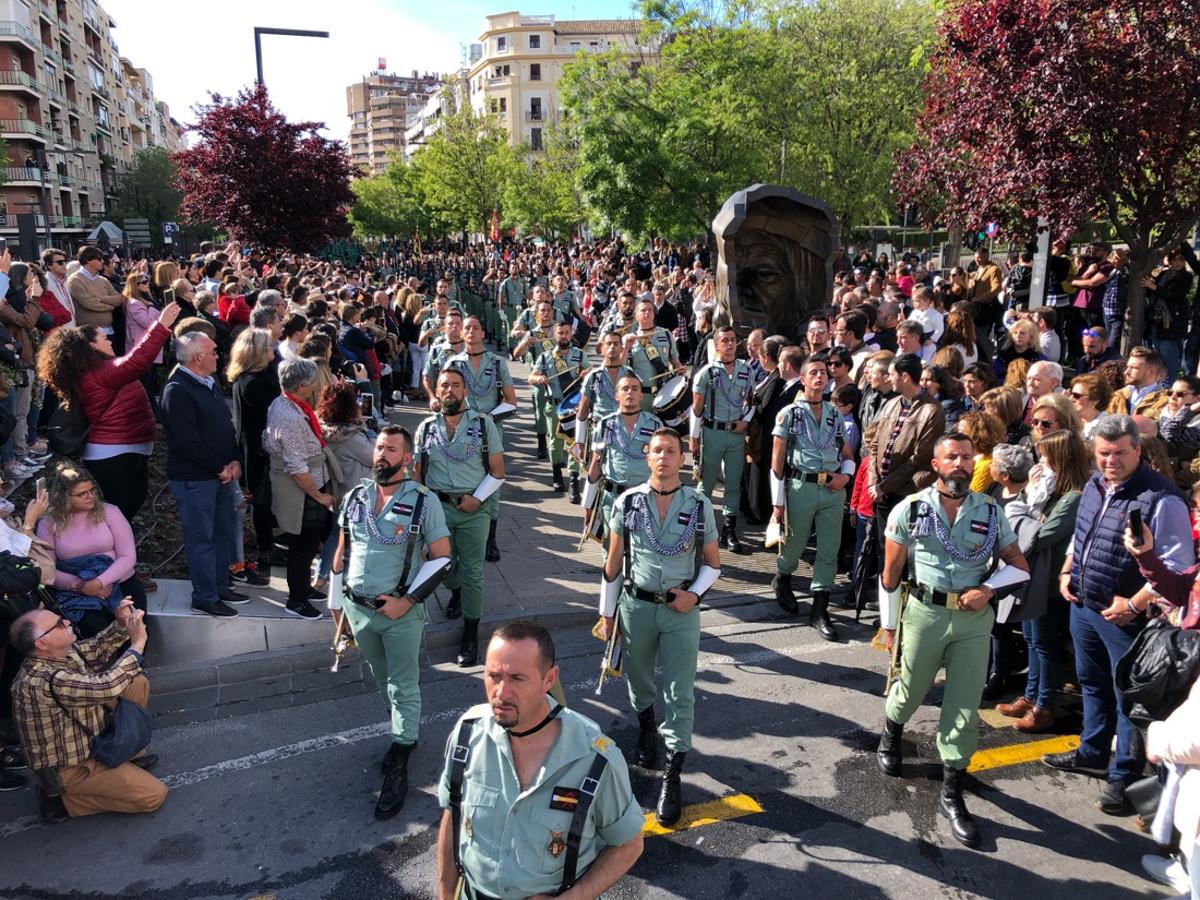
(624,459)
(812,445)
(379,543)
(725,396)
(431,323)
(440,352)
(485,385)
(512,841)
(673,562)
(939,549)
(601,390)
(527,320)
(562,367)
(566,307)
(618,324)
(512,292)
(651,355)
(455,466)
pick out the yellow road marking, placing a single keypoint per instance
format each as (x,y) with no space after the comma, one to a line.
(700,814)
(1015,754)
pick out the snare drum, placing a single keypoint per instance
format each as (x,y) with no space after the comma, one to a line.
(565,412)
(672,401)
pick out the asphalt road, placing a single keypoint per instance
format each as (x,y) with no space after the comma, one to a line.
(279,804)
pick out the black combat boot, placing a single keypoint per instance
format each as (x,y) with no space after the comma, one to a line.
(454,607)
(542,452)
(818,616)
(492,554)
(888,754)
(468,647)
(782,585)
(647,742)
(575,495)
(395,782)
(729,538)
(557,483)
(950,804)
(670,798)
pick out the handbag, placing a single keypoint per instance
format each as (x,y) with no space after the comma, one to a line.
(19,579)
(68,429)
(125,736)
(315,515)
(1158,668)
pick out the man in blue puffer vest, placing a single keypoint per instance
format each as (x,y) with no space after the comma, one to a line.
(1109,598)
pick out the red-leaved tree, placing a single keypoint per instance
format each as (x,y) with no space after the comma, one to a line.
(264,179)
(1074,110)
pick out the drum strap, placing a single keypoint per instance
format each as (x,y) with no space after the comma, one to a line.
(459,755)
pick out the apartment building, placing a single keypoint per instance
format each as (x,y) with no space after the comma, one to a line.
(73,112)
(381,107)
(428,119)
(516,65)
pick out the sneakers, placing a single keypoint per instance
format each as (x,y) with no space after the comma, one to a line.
(398,397)
(302,610)
(30,462)
(247,573)
(1112,800)
(219,610)
(11,781)
(234,597)
(1168,870)
(17,470)
(1069,762)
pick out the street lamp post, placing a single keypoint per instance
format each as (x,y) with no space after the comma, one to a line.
(290,32)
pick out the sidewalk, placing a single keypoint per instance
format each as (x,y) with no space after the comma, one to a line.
(201,663)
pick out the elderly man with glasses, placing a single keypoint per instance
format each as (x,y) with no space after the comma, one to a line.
(62,699)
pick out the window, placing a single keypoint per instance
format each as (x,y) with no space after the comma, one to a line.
(535,109)
(503,104)
(501,44)
(535,138)
(535,71)
(535,42)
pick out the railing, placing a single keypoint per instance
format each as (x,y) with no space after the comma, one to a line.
(534,115)
(55,96)
(89,18)
(104,126)
(16,29)
(68,64)
(500,81)
(25,173)
(23,126)
(50,53)
(8,76)
(100,89)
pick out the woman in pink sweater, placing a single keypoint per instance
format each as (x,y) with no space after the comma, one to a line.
(94,551)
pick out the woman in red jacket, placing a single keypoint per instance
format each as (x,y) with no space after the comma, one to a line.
(79,364)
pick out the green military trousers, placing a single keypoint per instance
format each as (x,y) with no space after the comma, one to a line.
(649,628)
(813,505)
(933,636)
(558,445)
(723,454)
(540,395)
(391,648)
(468,541)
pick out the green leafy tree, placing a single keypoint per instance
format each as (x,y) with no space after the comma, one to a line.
(390,205)
(541,195)
(148,190)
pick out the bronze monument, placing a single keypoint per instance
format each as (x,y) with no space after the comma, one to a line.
(775,258)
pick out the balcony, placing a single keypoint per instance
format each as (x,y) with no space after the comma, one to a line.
(106,127)
(500,81)
(55,96)
(68,64)
(18,30)
(22,128)
(89,19)
(9,78)
(13,174)
(51,54)
(46,12)
(101,90)
(535,115)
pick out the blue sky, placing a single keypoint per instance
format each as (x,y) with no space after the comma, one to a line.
(210,47)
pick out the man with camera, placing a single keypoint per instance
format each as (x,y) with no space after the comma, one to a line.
(66,695)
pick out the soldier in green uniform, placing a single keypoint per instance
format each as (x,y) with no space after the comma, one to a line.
(488,385)
(720,417)
(434,322)
(537,800)
(662,558)
(460,457)
(949,536)
(621,319)
(557,373)
(564,301)
(388,525)
(598,393)
(811,464)
(652,352)
(441,349)
(510,300)
(530,319)
(531,346)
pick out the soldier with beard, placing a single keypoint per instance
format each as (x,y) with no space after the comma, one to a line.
(389,524)
(953,536)
(555,373)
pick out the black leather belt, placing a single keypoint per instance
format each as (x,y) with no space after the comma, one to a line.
(948,599)
(452,499)
(370,603)
(613,487)
(810,477)
(720,426)
(659,597)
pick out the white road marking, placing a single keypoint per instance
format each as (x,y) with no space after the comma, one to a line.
(379,729)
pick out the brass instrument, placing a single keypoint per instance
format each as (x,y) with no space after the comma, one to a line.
(610,663)
(343,639)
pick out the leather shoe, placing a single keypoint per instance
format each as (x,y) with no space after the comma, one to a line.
(1037,719)
(1069,762)
(1016,709)
(784,596)
(146,761)
(234,597)
(1113,800)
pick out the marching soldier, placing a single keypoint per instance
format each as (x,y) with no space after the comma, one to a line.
(530,320)
(652,351)
(388,524)
(488,384)
(949,537)
(720,417)
(811,464)
(662,559)
(620,317)
(533,344)
(564,301)
(598,393)
(510,296)
(620,442)
(434,323)
(555,372)
(442,348)
(459,456)
(537,800)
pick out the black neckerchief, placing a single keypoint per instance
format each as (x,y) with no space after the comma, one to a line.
(550,717)
(664,493)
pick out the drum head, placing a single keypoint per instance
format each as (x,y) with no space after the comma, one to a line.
(670,392)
